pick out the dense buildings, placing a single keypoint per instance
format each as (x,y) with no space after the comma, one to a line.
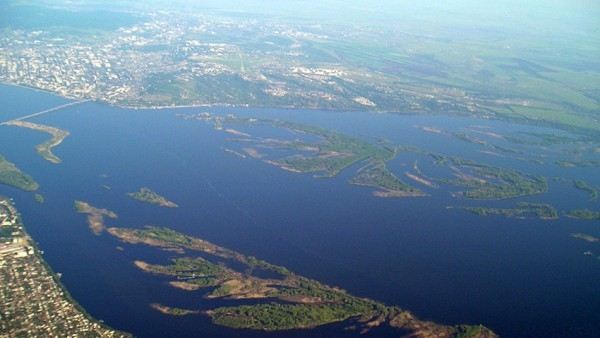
(32,301)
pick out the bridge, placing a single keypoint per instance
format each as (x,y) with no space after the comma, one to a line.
(45,111)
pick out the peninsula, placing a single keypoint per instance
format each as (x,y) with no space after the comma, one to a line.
(44,149)
(149,196)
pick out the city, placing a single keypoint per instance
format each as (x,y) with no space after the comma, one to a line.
(32,301)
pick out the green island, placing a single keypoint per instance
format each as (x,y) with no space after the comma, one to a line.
(539,139)
(39,198)
(468,138)
(95,216)
(522,210)
(33,301)
(44,149)
(375,174)
(282,301)
(331,154)
(578,163)
(334,152)
(583,186)
(13,176)
(149,196)
(585,237)
(585,214)
(465,137)
(485,182)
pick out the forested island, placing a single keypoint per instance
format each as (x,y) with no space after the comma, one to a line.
(13,176)
(149,196)
(584,186)
(334,152)
(522,210)
(486,182)
(584,214)
(283,301)
(331,154)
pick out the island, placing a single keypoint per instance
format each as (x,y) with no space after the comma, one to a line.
(326,153)
(585,214)
(321,152)
(584,186)
(149,196)
(485,182)
(33,302)
(522,210)
(585,237)
(274,298)
(44,149)
(173,311)
(578,163)
(95,216)
(39,198)
(376,175)
(13,176)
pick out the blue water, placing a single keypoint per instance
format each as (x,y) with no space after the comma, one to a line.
(522,278)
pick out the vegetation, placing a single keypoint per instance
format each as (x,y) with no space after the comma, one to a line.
(276,316)
(173,311)
(468,138)
(490,183)
(39,198)
(149,196)
(578,163)
(522,210)
(541,139)
(584,214)
(583,186)
(375,174)
(334,154)
(11,175)
(532,81)
(295,302)
(330,155)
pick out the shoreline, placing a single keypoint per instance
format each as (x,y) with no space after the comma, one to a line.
(37,255)
(509,119)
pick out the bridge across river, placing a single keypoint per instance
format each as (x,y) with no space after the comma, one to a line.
(45,111)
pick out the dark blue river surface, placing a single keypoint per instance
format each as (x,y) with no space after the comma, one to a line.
(520,277)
